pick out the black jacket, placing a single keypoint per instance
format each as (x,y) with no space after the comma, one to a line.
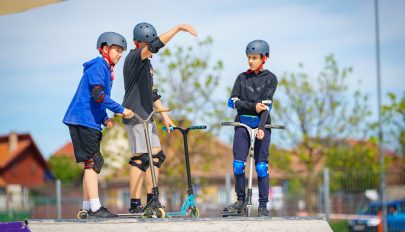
(252,89)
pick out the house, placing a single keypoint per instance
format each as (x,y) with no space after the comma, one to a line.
(22,166)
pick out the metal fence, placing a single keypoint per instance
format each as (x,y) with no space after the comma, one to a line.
(338,192)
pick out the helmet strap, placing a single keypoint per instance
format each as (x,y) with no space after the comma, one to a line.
(107,57)
(136,44)
(264,59)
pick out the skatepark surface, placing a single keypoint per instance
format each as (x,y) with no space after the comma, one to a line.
(256,224)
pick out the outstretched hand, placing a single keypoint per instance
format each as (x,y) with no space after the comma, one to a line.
(188,28)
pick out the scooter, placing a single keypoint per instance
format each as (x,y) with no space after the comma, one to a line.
(252,133)
(188,207)
(153,208)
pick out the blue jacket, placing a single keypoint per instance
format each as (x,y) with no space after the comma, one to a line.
(83,109)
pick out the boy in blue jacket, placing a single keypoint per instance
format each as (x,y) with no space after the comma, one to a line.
(251,90)
(87,112)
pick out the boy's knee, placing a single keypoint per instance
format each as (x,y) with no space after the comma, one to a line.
(140,161)
(96,162)
(159,158)
(239,167)
(262,169)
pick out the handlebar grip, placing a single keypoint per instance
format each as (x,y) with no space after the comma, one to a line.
(227,123)
(198,127)
(165,128)
(281,127)
(162,110)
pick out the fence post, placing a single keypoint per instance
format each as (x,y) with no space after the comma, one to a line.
(326,195)
(58,199)
(228,188)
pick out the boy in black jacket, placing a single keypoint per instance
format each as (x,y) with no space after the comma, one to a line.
(251,93)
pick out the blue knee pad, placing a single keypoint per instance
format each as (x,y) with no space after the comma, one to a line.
(262,169)
(238,167)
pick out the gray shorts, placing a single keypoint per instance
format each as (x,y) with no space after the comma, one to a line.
(137,140)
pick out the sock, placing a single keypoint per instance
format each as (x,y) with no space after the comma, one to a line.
(135,203)
(95,204)
(86,205)
(149,197)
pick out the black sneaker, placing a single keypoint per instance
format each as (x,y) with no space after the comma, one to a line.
(102,213)
(238,206)
(137,209)
(263,212)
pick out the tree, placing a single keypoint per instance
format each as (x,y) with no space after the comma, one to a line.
(393,115)
(188,83)
(318,112)
(64,169)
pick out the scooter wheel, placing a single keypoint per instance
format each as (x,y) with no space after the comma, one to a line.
(194,212)
(160,213)
(82,214)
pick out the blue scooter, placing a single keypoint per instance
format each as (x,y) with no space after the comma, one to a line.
(188,207)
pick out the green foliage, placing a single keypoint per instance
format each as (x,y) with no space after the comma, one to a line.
(320,107)
(393,119)
(320,113)
(354,168)
(64,168)
(188,83)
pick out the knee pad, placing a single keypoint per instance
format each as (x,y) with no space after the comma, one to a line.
(161,156)
(262,169)
(143,165)
(96,163)
(238,167)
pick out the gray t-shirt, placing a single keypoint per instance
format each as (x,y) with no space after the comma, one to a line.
(138,83)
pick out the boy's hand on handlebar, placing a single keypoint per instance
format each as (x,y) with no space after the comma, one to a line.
(128,113)
(109,123)
(168,123)
(260,134)
(260,107)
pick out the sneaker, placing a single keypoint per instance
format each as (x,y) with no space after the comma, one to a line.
(237,206)
(102,213)
(263,212)
(137,209)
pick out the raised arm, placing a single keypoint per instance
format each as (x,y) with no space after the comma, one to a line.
(163,39)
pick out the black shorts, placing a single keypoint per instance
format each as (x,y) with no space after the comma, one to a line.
(86,142)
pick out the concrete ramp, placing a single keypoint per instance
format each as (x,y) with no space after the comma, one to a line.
(309,224)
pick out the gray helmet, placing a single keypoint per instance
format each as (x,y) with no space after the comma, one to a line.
(144,32)
(258,47)
(112,38)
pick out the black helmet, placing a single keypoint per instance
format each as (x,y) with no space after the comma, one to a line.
(112,38)
(258,47)
(144,32)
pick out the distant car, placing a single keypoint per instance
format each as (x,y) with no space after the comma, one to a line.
(368,219)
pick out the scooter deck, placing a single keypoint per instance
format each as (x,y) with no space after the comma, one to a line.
(233,214)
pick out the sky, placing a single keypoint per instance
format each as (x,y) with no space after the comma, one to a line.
(43,49)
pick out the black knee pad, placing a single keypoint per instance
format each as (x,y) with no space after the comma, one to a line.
(144,158)
(96,163)
(161,156)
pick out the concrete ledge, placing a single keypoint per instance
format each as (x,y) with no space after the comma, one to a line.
(308,224)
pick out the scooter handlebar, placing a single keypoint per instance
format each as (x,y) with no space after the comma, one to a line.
(198,127)
(241,124)
(165,128)
(162,110)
